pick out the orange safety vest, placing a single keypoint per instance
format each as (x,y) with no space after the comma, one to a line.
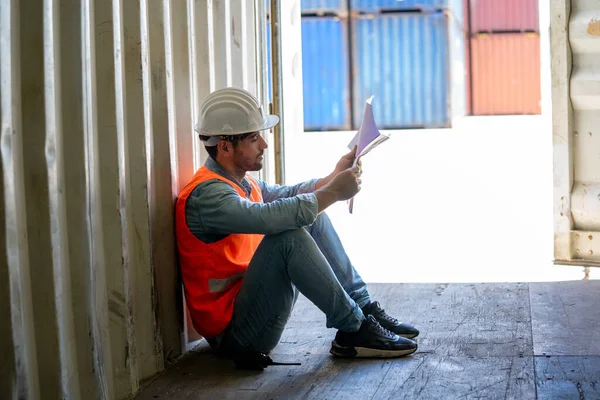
(212,272)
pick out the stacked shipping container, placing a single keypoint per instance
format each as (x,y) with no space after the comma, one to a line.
(322,6)
(378,6)
(504,15)
(396,51)
(325,69)
(505,57)
(401,58)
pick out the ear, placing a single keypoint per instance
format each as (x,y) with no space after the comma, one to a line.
(224,146)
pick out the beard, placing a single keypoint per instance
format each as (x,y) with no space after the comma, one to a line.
(246,162)
(258,165)
(258,162)
(252,165)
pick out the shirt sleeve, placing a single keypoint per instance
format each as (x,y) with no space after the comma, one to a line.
(216,208)
(274,192)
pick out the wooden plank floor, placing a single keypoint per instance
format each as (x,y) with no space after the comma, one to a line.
(483,340)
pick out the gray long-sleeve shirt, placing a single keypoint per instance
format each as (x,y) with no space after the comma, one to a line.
(214,209)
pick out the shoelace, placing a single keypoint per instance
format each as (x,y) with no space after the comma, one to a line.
(383,331)
(380,313)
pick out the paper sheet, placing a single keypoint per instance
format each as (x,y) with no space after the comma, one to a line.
(367,138)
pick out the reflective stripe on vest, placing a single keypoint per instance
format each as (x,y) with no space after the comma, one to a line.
(218,285)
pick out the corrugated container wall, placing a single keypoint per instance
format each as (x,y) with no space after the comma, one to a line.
(575,59)
(375,6)
(325,69)
(506,74)
(504,15)
(321,6)
(402,59)
(98,103)
(269,61)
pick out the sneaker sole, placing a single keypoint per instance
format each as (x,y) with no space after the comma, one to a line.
(408,336)
(366,352)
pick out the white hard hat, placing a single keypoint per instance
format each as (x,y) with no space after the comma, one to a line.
(232,111)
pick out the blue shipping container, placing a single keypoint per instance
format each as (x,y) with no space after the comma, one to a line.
(325,81)
(314,6)
(325,74)
(375,6)
(403,61)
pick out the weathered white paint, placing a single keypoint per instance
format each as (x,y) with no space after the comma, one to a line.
(458,34)
(55,154)
(576,131)
(16,259)
(262,76)
(161,193)
(98,104)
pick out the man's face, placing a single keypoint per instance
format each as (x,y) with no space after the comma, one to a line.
(248,154)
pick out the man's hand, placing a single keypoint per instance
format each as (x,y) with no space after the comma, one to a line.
(343,164)
(344,186)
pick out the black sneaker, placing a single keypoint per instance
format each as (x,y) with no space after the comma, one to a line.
(392,324)
(371,340)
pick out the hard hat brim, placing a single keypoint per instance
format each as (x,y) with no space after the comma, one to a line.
(270,121)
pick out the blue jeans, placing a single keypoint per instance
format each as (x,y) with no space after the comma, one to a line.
(311,260)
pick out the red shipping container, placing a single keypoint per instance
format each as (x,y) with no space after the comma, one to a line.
(505,74)
(504,15)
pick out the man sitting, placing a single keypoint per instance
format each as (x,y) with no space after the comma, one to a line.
(247,248)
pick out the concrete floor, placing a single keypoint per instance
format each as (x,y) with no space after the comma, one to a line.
(478,340)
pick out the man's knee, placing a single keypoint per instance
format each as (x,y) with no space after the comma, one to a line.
(322,219)
(293,236)
(321,224)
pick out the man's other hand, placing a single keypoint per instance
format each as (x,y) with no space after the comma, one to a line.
(343,164)
(346,184)
(342,186)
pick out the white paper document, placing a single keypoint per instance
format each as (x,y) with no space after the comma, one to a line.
(367,138)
